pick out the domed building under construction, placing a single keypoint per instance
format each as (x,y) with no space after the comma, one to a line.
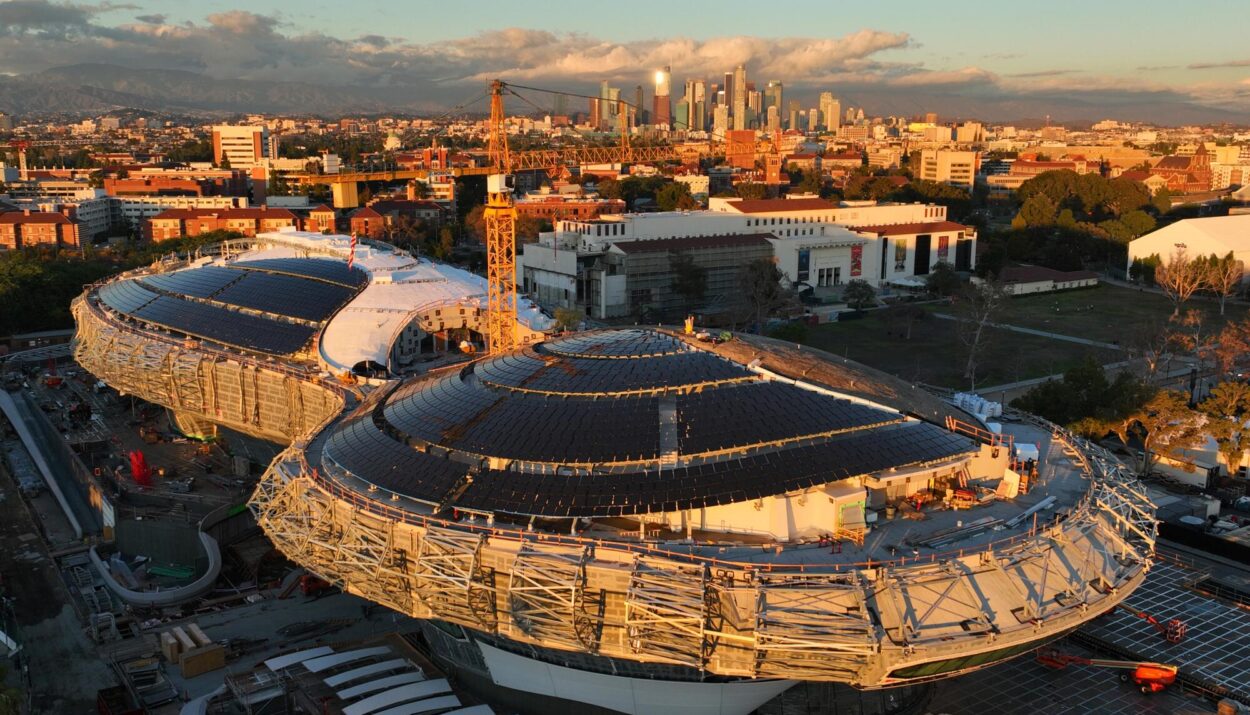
(632,519)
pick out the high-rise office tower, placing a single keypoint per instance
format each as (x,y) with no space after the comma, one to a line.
(681,118)
(796,112)
(560,105)
(773,97)
(728,89)
(831,111)
(774,120)
(639,113)
(720,121)
(740,98)
(662,112)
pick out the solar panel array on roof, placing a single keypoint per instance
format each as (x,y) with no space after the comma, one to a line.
(126,296)
(724,482)
(616,344)
(530,370)
(332,271)
(224,326)
(529,427)
(199,282)
(361,448)
(285,295)
(757,412)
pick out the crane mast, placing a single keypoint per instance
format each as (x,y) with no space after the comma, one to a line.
(500,220)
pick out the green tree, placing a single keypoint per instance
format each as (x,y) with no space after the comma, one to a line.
(1085,400)
(1164,426)
(446,243)
(859,294)
(1037,211)
(760,281)
(1229,409)
(689,278)
(1138,222)
(751,190)
(943,280)
(1142,270)
(811,182)
(675,196)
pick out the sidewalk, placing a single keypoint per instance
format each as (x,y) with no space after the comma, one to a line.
(1041,333)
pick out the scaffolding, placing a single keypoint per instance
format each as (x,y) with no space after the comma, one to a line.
(261,398)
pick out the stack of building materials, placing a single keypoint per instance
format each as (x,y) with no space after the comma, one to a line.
(977,405)
(192,650)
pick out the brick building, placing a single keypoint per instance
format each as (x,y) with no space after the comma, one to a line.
(373,220)
(320,219)
(365,221)
(26,229)
(1185,174)
(555,208)
(176,223)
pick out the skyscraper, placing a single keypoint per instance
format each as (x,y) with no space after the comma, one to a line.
(639,113)
(773,97)
(831,111)
(796,114)
(662,113)
(728,89)
(740,98)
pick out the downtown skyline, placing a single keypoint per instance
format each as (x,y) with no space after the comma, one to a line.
(883,61)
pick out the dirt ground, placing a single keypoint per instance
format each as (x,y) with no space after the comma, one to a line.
(59,662)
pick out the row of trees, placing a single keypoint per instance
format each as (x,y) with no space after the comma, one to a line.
(1181,276)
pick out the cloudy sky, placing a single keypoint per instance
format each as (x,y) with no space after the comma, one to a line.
(1110,49)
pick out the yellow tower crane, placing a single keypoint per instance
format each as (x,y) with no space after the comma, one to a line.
(500,220)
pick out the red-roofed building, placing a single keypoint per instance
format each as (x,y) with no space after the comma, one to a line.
(320,220)
(366,222)
(27,229)
(1185,174)
(904,251)
(1023,280)
(176,223)
(373,220)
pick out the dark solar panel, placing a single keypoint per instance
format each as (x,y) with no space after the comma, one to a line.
(333,271)
(226,326)
(359,447)
(285,295)
(616,343)
(734,480)
(199,282)
(453,413)
(531,370)
(759,412)
(126,296)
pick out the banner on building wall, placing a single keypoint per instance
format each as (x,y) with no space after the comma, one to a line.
(944,243)
(857,260)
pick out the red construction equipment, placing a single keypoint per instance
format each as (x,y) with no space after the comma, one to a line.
(1173,631)
(1150,677)
(311,585)
(139,469)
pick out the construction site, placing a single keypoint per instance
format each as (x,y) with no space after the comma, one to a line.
(306,473)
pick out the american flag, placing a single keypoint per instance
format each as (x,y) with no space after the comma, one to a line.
(351,257)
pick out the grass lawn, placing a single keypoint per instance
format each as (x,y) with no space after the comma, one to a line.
(1106,313)
(935,355)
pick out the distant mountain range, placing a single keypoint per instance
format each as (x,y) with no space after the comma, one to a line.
(90,89)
